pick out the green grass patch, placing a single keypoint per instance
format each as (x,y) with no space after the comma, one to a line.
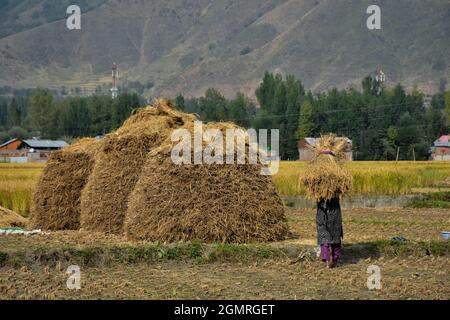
(392,248)
(242,252)
(3,258)
(432,200)
(198,252)
(104,255)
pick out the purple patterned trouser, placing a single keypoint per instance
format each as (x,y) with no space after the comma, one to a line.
(329,250)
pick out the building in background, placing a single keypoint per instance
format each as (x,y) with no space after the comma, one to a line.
(441,148)
(29,150)
(306,149)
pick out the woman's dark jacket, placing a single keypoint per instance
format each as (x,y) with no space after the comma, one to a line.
(329,222)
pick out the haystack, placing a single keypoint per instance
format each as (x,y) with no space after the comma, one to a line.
(209,202)
(56,203)
(325,177)
(118,165)
(10,219)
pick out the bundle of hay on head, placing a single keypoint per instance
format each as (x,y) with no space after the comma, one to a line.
(324,177)
(119,161)
(231,203)
(56,202)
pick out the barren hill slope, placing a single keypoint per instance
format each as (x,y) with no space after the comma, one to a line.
(188,45)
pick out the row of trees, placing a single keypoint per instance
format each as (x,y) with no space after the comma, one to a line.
(213,106)
(41,114)
(379,120)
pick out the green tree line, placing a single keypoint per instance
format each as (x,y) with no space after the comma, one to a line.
(45,115)
(380,121)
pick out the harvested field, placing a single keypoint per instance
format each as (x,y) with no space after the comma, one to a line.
(360,226)
(113,267)
(56,203)
(408,278)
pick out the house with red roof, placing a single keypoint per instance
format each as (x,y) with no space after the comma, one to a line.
(441,148)
(29,150)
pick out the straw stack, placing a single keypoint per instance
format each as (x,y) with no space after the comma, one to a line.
(118,165)
(56,202)
(207,202)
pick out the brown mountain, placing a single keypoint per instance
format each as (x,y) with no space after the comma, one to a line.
(186,46)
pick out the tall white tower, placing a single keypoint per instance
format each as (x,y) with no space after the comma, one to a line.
(115,75)
(380,77)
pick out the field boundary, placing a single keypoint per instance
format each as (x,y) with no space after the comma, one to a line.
(197,252)
(357,201)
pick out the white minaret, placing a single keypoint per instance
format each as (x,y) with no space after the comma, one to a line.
(115,75)
(380,76)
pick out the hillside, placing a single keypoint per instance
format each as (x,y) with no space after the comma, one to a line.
(186,46)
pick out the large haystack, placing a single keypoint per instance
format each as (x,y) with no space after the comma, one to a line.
(10,219)
(119,162)
(56,203)
(208,202)
(324,177)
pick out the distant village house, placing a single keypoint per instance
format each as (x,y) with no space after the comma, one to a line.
(441,148)
(30,150)
(306,149)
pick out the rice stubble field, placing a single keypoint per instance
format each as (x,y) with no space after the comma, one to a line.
(34,267)
(113,267)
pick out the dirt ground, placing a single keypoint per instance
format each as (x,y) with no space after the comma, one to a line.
(402,277)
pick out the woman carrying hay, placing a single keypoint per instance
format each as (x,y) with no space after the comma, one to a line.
(329,230)
(326,182)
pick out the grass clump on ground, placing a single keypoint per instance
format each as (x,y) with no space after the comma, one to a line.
(432,200)
(3,258)
(198,252)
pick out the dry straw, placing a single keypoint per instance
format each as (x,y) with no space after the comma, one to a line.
(56,201)
(324,177)
(207,202)
(118,165)
(10,219)
(218,202)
